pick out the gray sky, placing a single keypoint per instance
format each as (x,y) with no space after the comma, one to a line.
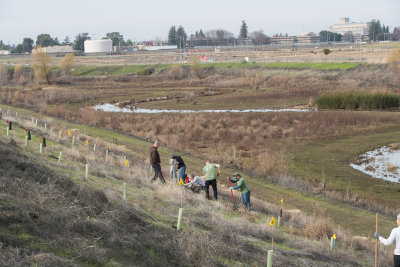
(146,20)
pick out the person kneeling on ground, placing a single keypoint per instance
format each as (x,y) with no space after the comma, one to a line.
(394,237)
(243,188)
(196,184)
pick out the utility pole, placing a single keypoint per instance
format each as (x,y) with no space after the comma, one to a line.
(360,48)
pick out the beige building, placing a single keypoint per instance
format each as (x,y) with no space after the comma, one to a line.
(305,38)
(57,49)
(345,25)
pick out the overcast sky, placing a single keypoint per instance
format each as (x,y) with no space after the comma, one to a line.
(147,20)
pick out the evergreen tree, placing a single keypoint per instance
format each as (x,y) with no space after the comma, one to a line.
(375,30)
(80,41)
(67,41)
(27,45)
(243,30)
(172,35)
(44,40)
(201,34)
(181,37)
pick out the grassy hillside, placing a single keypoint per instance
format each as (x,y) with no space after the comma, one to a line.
(51,215)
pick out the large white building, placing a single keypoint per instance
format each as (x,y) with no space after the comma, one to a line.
(98,46)
(345,25)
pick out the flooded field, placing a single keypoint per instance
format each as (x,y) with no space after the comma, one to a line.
(382,163)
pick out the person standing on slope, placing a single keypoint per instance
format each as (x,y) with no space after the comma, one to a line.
(243,188)
(172,168)
(393,237)
(181,167)
(211,171)
(155,162)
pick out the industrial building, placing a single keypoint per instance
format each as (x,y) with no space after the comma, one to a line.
(57,49)
(98,46)
(298,40)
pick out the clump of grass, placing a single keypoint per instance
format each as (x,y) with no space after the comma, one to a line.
(319,229)
(358,100)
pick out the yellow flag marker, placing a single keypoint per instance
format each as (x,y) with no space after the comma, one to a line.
(69,132)
(126,162)
(272,222)
(282,200)
(180,182)
(334,236)
(86,143)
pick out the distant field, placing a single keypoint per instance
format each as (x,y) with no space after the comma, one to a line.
(293,65)
(81,70)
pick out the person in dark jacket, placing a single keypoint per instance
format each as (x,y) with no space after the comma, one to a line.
(155,162)
(181,167)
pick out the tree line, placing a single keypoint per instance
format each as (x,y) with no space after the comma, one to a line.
(178,36)
(45,40)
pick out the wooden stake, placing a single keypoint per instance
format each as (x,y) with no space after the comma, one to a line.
(376,241)
(59,157)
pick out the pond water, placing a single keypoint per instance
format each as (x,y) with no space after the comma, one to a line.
(382,163)
(116,108)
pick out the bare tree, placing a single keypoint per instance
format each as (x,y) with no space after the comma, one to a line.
(67,63)
(41,64)
(259,37)
(3,75)
(348,37)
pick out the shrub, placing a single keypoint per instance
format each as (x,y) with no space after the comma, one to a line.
(319,229)
(3,75)
(147,71)
(175,72)
(358,100)
(327,51)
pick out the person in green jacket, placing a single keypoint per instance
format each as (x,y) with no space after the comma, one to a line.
(211,171)
(243,188)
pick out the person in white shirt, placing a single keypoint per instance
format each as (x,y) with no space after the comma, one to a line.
(196,184)
(172,168)
(394,237)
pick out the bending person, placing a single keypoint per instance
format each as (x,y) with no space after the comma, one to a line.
(393,237)
(196,184)
(243,188)
(181,166)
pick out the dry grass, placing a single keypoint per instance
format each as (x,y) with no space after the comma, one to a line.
(319,229)
(392,168)
(210,228)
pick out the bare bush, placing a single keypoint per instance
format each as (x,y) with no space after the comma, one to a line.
(3,75)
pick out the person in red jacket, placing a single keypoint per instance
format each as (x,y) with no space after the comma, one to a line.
(155,162)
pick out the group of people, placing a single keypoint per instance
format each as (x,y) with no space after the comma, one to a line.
(211,171)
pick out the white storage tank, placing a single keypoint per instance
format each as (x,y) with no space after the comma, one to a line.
(98,46)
